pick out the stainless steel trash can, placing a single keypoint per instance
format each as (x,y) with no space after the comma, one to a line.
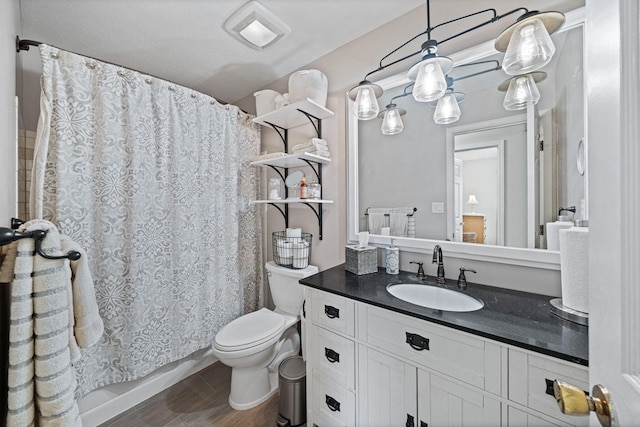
(292,380)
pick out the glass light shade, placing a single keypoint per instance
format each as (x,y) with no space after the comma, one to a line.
(392,122)
(366,107)
(529,49)
(522,90)
(430,82)
(447,110)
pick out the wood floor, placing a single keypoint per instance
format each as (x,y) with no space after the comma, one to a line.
(200,400)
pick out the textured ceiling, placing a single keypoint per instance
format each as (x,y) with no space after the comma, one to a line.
(183,40)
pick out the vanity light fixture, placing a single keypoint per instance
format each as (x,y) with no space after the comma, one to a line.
(256,26)
(521,90)
(392,115)
(526,38)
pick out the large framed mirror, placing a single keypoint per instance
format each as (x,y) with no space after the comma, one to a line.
(485,186)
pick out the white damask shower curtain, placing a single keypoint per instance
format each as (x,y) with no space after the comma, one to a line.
(153,180)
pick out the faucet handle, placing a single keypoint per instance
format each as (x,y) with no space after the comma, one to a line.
(420,272)
(462,279)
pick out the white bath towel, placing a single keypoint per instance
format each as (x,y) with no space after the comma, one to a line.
(315,143)
(41,377)
(376,221)
(398,223)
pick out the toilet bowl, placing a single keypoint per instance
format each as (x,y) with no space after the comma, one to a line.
(253,345)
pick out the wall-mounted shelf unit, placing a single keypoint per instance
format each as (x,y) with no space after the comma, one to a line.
(281,120)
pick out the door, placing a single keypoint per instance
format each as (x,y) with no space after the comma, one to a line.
(387,390)
(613,105)
(533,176)
(458,179)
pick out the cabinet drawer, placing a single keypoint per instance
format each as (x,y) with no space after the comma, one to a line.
(333,312)
(518,418)
(334,357)
(531,383)
(333,405)
(458,355)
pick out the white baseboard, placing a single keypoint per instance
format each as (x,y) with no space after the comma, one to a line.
(107,402)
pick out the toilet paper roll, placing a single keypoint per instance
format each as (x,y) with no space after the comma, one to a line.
(574,267)
(553,229)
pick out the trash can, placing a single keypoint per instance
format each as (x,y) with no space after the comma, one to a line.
(292,381)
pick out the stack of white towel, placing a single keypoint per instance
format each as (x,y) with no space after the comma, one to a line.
(315,146)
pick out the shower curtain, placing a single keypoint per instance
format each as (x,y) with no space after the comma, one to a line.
(154,181)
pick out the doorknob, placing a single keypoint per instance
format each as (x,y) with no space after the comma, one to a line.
(572,400)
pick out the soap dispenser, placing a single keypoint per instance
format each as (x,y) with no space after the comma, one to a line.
(392,259)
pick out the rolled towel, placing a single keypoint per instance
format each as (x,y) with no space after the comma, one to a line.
(317,152)
(318,141)
(315,143)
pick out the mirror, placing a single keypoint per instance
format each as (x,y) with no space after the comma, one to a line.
(431,171)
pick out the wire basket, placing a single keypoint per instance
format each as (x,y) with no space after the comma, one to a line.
(292,252)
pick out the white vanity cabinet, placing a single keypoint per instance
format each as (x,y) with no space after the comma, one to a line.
(369,366)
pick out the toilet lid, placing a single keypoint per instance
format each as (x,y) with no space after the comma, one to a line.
(250,330)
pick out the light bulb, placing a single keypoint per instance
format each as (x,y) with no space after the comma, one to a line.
(392,122)
(522,90)
(430,82)
(447,110)
(366,107)
(529,49)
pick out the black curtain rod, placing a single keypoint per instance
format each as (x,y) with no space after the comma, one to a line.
(26,44)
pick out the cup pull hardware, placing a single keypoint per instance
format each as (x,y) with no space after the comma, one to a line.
(331,355)
(331,312)
(333,404)
(417,342)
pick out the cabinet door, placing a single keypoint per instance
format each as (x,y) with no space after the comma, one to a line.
(518,418)
(387,390)
(444,403)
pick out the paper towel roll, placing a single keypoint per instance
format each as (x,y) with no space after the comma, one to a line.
(574,267)
(553,228)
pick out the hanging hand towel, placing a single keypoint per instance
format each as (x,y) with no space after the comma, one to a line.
(376,221)
(398,223)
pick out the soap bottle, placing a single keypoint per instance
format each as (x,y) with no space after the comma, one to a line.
(304,190)
(392,259)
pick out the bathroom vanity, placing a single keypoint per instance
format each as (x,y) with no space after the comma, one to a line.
(373,359)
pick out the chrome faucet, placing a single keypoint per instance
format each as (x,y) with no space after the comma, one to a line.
(420,274)
(437,258)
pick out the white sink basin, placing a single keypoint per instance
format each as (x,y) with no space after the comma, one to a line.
(434,297)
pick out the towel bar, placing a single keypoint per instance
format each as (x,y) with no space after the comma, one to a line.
(8,235)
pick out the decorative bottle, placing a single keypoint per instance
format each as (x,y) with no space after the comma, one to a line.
(392,259)
(304,190)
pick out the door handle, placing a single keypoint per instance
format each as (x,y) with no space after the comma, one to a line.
(572,400)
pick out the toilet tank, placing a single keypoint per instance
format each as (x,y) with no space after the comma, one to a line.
(286,292)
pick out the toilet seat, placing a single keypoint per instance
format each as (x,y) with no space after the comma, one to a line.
(250,330)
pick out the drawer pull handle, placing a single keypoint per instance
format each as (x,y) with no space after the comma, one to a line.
(333,404)
(423,424)
(331,312)
(417,342)
(331,355)
(409,422)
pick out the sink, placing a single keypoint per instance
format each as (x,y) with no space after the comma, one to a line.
(434,297)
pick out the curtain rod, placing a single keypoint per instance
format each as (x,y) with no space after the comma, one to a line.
(26,44)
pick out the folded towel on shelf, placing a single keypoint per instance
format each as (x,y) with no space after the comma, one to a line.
(269,156)
(317,152)
(313,142)
(376,222)
(398,223)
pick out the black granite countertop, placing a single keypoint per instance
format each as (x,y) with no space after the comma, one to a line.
(518,318)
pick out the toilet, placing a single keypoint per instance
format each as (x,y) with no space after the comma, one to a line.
(253,345)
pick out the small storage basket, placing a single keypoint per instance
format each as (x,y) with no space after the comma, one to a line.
(292,252)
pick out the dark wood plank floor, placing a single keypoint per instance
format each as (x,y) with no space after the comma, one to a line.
(200,400)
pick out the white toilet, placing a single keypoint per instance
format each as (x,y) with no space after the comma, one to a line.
(253,345)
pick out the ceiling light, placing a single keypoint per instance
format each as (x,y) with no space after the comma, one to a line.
(256,26)
(521,90)
(447,109)
(527,43)
(531,43)
(392,120)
